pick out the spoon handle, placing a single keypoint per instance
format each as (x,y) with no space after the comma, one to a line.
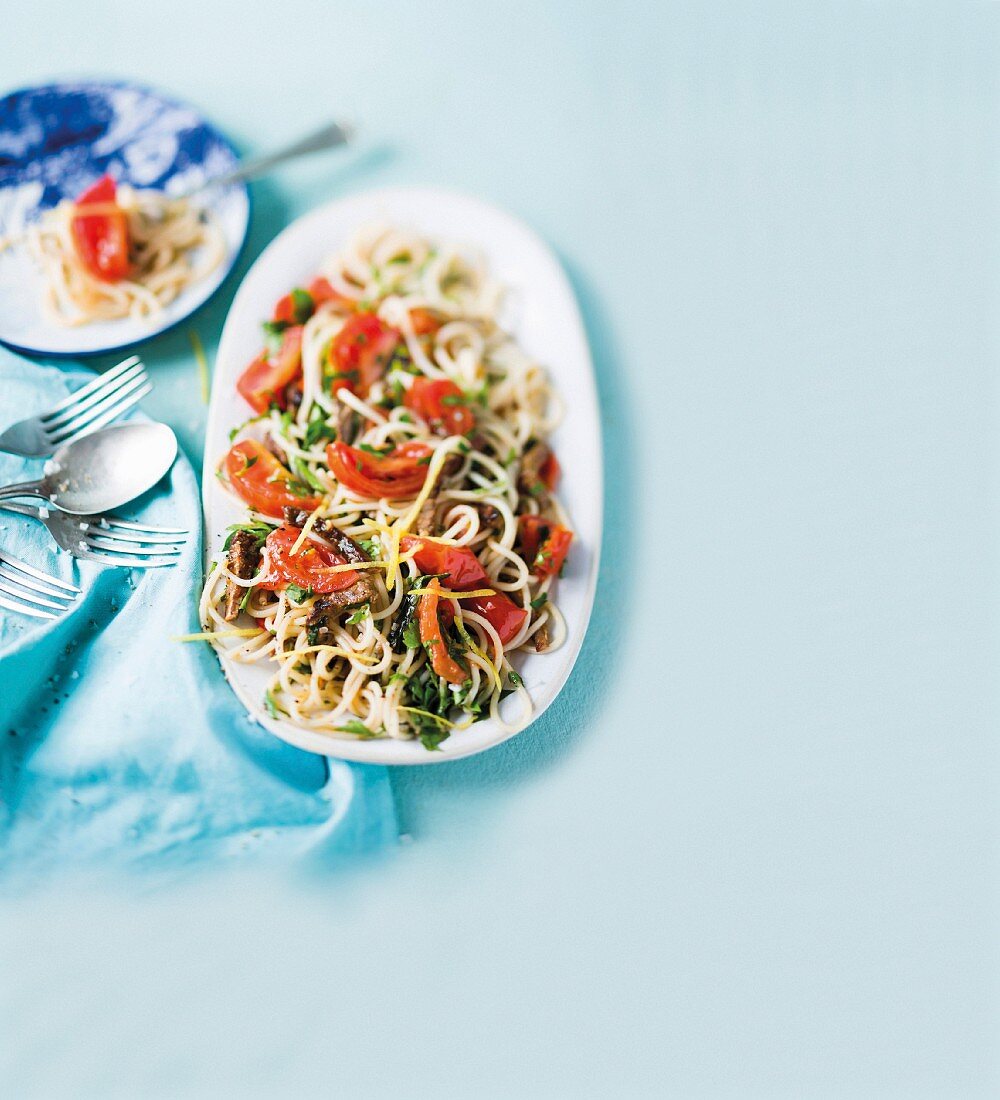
(329,137)
(24,489)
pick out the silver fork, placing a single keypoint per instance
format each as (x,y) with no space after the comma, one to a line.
(91,407)
(29,591)
(107,539)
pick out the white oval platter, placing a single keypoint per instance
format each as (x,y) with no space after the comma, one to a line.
(541,311)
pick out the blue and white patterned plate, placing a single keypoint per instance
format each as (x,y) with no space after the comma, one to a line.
(57,139)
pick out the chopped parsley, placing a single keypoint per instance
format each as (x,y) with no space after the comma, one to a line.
(361,613)
(302,305)
(273,335)
(538,601)
(411,635)
(298,488)
(306,476)
(272,706)
(514,678)
(298,594)
(359,729)
(318,428)
(259,530)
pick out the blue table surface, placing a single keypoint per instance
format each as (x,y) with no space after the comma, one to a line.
(752,850)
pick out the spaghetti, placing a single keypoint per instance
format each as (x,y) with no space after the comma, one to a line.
(118,252)
(403,537)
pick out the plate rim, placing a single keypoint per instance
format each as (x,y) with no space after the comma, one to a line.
(238,252)
(388,751)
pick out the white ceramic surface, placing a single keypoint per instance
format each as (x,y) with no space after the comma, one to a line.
(541,312)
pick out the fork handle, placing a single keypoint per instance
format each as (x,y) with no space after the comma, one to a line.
(329,137)
(32,510)
(25,489)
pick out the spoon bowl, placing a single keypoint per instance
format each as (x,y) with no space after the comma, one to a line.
(103,471)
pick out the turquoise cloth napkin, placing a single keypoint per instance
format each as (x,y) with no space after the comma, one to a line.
(121,748)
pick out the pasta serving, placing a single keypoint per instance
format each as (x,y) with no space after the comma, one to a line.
(120,252)
(403,537)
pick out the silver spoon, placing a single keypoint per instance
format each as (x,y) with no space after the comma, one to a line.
(102,471)
(329,137)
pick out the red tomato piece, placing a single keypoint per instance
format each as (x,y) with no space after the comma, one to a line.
(396,476)
(459,563)
(322,291)
(101,240)
(442,662)
(360,352)
(545,544)
(295,308)
(260,479)
(263,382)
(306,567)
(464,573)
(442,404)
(424,321)
(500,611)
(550,472)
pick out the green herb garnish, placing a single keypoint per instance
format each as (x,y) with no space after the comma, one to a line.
(302,305)
(259,530)
(272,707)
(359,729)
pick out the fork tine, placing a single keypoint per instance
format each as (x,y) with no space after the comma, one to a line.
(98,383)
(127,535)
(53,422)
(9,559)
(25,581)
(113,546)
(32,598)
(23,609)
(110,409)
(128,525)
(103,558)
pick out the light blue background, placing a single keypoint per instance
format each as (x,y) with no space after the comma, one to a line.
(753,850)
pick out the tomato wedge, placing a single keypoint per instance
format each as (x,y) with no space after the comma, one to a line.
(101,240)
(359,353)
(260,479)
(461,565)
(442,404)
(295,308)
(545,544)
(500,612)
(263,382)
(430,634)
(550,472)
(322,291)
(425,322)
(465,573)
(305,568)
(395,476)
